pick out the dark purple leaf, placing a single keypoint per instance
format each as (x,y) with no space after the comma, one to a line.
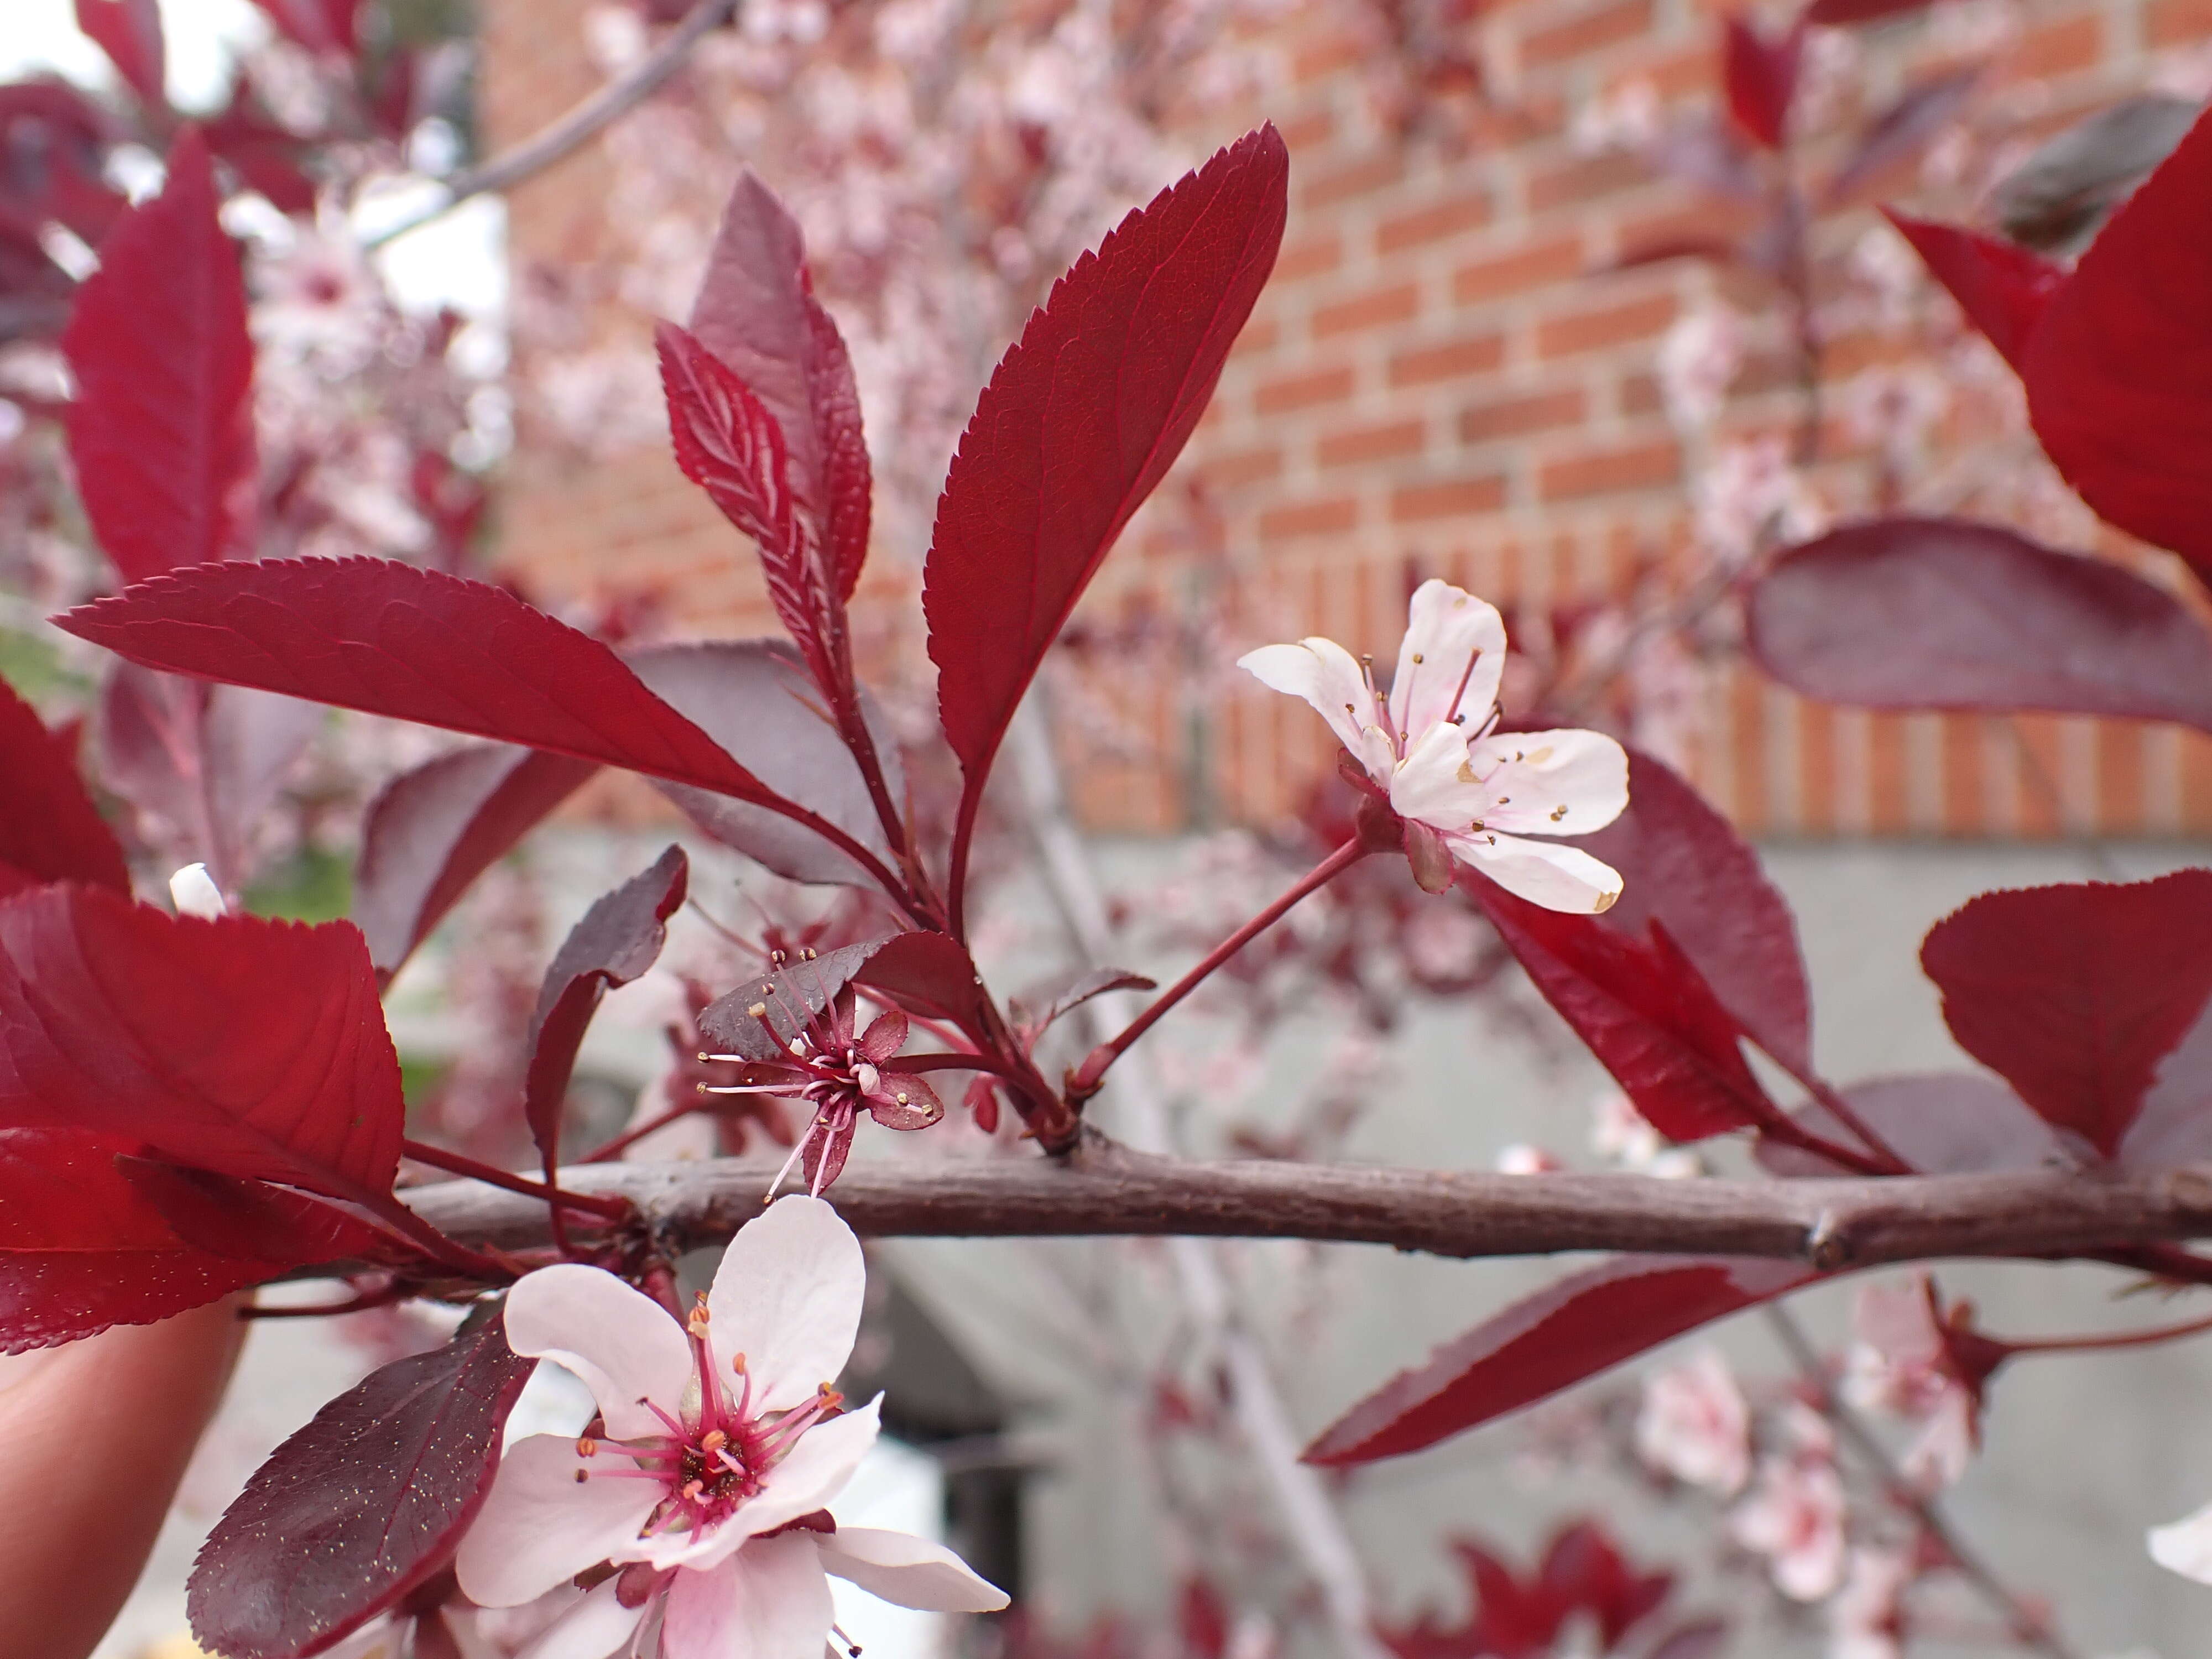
(2074,993)
(246,1046)
(619,938)
(754,698)
(931,974)
(2003,289)
(1081,419)
(758,313)
(431,832)
(1684,865)
(50,830)
(418,644)
(1038,1008)
(1643,1010)
(1761,78)
(1585,1323)
(1840,14)
(361,1506)
(788,998)
(1900,131)
(2074,179)
(161,426)
(1939,613)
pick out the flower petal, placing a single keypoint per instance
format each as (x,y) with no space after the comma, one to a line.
(920,1107)
(1326,675)
(1557,877)
(1436,785)
(910,1571)
(1450,660)
(597,1627)
(787,1296)
(771,1600)
(815,1472)
(885,1035)
(1553,783)
(623,1344)
(540,1525)
(2185,1546)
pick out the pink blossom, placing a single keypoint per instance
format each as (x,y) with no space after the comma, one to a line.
(1903,1364)
(719,1444)
(1795,1518)
(1866,1619)
(1694,1424)
(1475,796)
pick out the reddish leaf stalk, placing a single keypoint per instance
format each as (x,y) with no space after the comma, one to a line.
(1083,1083)
(2098,1344)
(460,1165)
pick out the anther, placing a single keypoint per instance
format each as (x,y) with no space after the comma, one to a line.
(1558,812)
(759,1011)
(902,1097)
(692,1490)
(713,1441)
(586,1448)
(738,1364)
(582,1476)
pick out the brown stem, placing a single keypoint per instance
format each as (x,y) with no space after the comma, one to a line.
(1102,1189)
(2028,1625)
(581,124)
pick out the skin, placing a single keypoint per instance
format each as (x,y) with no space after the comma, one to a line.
(93,1438)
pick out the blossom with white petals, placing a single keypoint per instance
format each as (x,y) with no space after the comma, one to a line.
(1695,1426)
(194,893)
(1866,1619)
(1904,1364)
(1795,1518)
(1428,750)
(699,1499)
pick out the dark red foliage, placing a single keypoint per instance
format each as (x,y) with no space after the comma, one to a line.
(1574,1328)
(2074,993)
(363,1505)
(1943,1123)
(1838,14)
(1900,131)
(2003,287)
(248,1047)
(1761,78)
(619,938)
(1683,866)
(130,32)
(931,974)
(321,26)
(1939,613)
(1643,1009)
(418,644)
(161,426)
(432,831)
(50,830)
(756,313)
(83,1245)
(791,996)
(754,698)
(1081,419)
(1512,1617)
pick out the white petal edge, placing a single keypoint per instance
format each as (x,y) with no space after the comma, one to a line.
(1585,772)
(1558,878)
(625,1345)
(771,1600)
(194,893)
(815,1472)
(909,1572)
(787,1296)
(2184,1545)
(540,1525)
(1328,677)
(1445,626)
(1435,784)
(597,1627)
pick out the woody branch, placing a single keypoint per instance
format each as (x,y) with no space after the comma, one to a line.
(1102,1189)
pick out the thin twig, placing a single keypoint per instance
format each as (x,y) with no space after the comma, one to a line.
(579,126)
(2028,1625)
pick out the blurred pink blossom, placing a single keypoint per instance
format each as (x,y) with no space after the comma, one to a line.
(1694,1424)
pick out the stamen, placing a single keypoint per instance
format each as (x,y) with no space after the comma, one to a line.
(713,1442)
(775,1186)
(1465,677)
(674,1427)
(1558,812)
(587,1448)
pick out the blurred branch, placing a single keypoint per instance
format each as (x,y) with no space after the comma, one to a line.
(580,125)
(1103,1188)
(2031,1627)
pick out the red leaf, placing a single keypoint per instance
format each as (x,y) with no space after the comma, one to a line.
(1080,419)
(418,644)
(268,157)
(320,26)
(1686,867)
(253,1221)
(619,938)
(931,974)
(1585,1570)
(130,32)
(50,830)
(754,698)
(162,430)
(2116,388)
(246,1046)
(1838,13)
(431,832)
(1947,1123)
(81,1248)
(1761,78)
(2003,289)
(1938,613)
(756,313)
(361,1506)
(1643,1010)
(1577,1328)
(2074,993)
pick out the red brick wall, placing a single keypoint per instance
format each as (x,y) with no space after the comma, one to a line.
(1439,379)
